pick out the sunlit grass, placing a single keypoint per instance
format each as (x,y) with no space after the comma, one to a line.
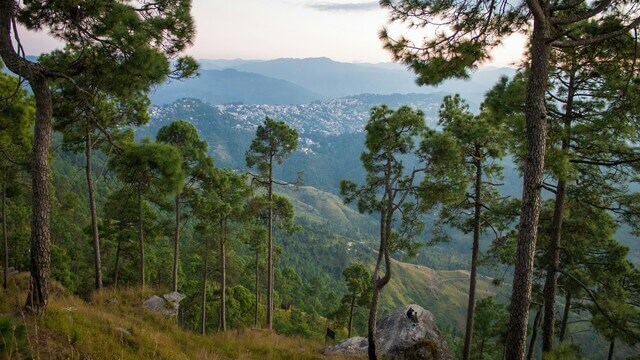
(114,325)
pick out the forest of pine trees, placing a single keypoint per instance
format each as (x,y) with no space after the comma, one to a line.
(90,205)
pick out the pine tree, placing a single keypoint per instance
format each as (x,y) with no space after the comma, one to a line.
(226,195)
(195,164)
(358,280)
(148,168)
(393,192)
(274,141)
(482,138)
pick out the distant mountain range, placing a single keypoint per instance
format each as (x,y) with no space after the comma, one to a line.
(298,81)
(301,81)
(232,86)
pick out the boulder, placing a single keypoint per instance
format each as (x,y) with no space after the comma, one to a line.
(399,337)
(167,305)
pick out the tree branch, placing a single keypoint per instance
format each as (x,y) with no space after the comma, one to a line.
(595,39)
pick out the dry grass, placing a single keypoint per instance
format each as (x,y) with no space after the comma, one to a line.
(114,325)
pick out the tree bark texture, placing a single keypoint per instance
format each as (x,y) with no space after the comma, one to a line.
(536,129)
(551,282)
(38,296)
(176,246)
(474,253)
(94,213)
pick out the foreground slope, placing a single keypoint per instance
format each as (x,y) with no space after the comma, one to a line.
(113,324)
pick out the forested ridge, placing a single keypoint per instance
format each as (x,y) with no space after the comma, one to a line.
(514,221)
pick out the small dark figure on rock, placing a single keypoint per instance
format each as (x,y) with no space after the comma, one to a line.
(412,315)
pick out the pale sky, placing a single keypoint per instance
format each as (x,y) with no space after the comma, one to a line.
(343,30)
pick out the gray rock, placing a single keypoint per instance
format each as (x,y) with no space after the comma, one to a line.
(155,304)
(174,297)
(168,304)
(399,337)
(350,347)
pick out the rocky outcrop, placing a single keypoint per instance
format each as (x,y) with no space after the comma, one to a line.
(167,305)
(399,337)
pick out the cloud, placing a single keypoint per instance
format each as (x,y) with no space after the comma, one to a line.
(325,6)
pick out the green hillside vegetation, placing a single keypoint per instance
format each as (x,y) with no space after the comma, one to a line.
(443,292)
(325,207)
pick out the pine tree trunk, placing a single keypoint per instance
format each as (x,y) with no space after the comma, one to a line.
(5,235)
(611,348)
(353,303)
(551,282)
(373,309)
(269,321)
(534,334)
(223,277)
(203,315)
(38,296)
(379,283)
(94,213)
(373,313)
(141,235)
(565,316)
(116,275)
(40,221)
(176,242)
(536,128)
(255,317)
(474,254)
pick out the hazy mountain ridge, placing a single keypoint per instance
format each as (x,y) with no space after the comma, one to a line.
(337,79)
(297,81)
(229,85)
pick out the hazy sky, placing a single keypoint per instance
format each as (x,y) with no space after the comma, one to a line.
(343,30)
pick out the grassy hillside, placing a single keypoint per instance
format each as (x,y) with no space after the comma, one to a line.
(321,206)
(444,293)
(113,324)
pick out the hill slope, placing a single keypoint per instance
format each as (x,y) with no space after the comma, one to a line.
(114,324)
